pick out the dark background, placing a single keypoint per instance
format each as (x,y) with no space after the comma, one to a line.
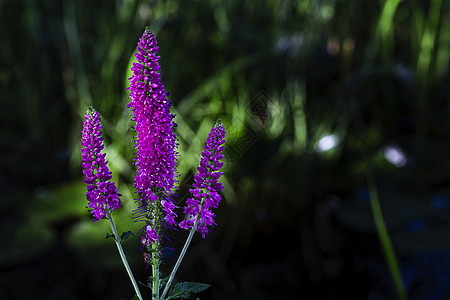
(372,77)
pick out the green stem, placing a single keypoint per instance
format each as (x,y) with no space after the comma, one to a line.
(122,254)
(156,260)
(155,270)
(180,258)
(385,241)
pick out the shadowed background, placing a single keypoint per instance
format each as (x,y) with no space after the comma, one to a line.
(316,96)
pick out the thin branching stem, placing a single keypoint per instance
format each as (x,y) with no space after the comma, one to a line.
(180,258)
(122,254)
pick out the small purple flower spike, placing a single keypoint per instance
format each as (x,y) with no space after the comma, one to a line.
(151,236)
(101,192)
(206,187)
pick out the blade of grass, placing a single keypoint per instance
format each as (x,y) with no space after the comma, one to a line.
(386,244)
(383,35)
(425,62)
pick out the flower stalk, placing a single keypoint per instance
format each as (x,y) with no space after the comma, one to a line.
(122,254)
(156,153)
(205,193)
(180,258)
(155,271)
(155,177)
(155,250)
(102,193)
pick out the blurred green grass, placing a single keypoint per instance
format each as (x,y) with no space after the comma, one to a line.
(280,74)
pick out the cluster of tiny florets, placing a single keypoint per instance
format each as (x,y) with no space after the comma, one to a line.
(101,191)
(206,186)
(155,140)
(156,157)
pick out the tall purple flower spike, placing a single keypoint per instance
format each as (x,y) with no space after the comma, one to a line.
(155,141)
(206,186)
(101,192)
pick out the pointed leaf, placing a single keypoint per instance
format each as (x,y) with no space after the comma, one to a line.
(126,234)
(110,236)
(184,289)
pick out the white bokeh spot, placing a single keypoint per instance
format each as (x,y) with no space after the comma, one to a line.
(395,156)
(327,143)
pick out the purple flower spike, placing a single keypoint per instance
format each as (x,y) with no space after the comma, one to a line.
(206,186)
(155,140)
(100,190)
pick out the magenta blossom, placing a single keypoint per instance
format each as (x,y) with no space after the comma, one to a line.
(155,140)
(206,186)
(101,192)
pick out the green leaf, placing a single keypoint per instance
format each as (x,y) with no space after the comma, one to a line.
(110,236)
(184,289)
(126,234)
(149,286)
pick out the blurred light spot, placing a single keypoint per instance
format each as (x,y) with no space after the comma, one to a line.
(395,156)
(404,73)
(439,202)
(290,45)
(349,45)
(327,142)
(365,195)
(415,225)
(332,47)
(327,12)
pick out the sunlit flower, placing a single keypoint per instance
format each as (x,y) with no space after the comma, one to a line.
(155,140)
(101,192)
(206,186)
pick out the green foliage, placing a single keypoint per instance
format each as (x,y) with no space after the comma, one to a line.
(280,74)
(110,236)
(25,243)
(126,234)
(231,52)
(184,289)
